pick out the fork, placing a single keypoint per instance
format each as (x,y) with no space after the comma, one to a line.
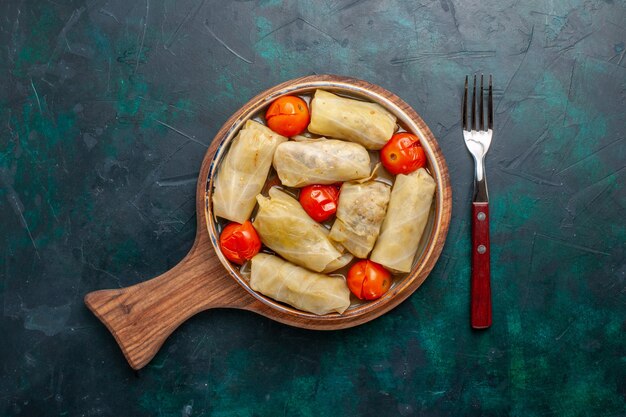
(477,142)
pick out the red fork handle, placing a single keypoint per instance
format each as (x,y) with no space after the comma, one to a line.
(481,286)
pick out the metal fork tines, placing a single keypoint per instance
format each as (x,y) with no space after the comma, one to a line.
(478,140)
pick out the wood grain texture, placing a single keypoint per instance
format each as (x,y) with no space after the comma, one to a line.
(141,317)
(481,271)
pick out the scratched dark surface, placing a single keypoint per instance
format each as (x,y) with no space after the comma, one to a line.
(107,108)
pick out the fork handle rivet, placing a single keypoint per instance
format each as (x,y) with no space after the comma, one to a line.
(481,249)
(481,216)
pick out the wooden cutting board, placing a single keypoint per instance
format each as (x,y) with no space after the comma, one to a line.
(142,316)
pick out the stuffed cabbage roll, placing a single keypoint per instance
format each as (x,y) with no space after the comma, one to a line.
(244,170)
(284,227)
(360,214)
(357,121)
(299,287)
(407,214)
(320,161)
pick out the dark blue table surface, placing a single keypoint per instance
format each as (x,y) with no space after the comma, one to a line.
(107,109)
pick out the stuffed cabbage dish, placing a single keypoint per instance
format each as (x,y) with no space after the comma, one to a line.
(308,213)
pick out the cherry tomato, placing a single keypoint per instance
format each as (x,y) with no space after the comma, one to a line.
(239,242)
(403,154)
(288,116)
(368,280)
(319,201)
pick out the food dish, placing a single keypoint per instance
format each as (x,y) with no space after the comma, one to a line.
(287,227)
(345,256)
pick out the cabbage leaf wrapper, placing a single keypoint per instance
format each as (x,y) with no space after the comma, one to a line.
(320,161)
(284,227)
(407,215)
(360,215)
(244,170)
(305,290)
(369,124)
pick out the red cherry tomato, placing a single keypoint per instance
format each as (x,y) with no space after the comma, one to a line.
(239,242)
(319,201)
(288,116)
(403,154)
(368,280)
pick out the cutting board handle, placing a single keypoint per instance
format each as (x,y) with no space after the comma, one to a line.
(142,316)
